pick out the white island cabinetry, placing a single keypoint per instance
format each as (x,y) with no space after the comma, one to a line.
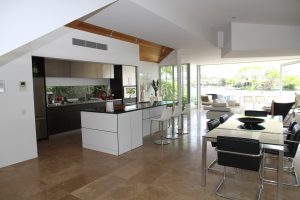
(112,133)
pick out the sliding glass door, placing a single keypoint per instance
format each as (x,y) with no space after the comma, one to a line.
(168,79)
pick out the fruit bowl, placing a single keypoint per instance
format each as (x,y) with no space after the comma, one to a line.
(251,123)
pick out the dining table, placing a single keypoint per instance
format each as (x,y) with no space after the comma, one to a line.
(270,136)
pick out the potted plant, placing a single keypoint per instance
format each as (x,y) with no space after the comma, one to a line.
(155,85)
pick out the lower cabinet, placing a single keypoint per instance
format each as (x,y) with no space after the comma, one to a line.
(130,131)
(112,133)
(67,118)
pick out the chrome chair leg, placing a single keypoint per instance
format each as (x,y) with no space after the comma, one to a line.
(213,163)
(290,170)
(260,193)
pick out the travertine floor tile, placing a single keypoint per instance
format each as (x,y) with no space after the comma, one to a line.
(66,171)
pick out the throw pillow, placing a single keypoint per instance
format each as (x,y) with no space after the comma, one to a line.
(219,104)
(204,98)
(216,101)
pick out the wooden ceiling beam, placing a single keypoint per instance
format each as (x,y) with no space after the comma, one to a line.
(149,51)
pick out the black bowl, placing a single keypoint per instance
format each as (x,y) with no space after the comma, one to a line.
(251,121)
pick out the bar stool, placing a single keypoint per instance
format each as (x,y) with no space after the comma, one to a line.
(187,112)
(176,114)
(165,117)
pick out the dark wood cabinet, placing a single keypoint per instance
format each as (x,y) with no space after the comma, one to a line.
(117,84)
(67,118)
(38,66)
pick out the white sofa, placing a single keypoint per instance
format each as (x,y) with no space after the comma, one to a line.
(219,108)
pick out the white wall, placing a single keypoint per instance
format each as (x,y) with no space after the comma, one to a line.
(36,18)
(262,36)
(261,40)
(118,52)
(226,41)
(17,120)
(152,69)
(171,59)
(148,71)
(55,81)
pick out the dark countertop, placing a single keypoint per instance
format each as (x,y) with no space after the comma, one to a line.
(79,103)
(123,109)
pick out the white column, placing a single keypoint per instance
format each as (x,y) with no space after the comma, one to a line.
(179,81)
(138,88)
(199,86)
(280,83)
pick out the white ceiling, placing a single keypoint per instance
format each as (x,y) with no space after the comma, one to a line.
(192,25)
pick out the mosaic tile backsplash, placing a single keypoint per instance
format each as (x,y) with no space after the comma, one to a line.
(71,92)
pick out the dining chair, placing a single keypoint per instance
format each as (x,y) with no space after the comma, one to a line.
(259,101)
(248,100)
(290,150)
(223,118)
(241,153)
(289,129)
(281,109)
(212,124)
(256,113)
(165,117)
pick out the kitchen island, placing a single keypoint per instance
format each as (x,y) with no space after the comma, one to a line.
(66,117)
(119,131)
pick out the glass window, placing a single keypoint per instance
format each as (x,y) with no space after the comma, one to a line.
(290,81)
(253,85)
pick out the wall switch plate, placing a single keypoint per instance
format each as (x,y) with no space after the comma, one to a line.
(2,86)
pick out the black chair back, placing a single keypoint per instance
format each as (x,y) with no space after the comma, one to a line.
(256,113)
(293,122)
(224,118)
(294,136)
(233,146)
(211,124)
(281,108)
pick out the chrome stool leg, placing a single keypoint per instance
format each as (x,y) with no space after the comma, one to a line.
(182,126)
(174,135)
(162,141)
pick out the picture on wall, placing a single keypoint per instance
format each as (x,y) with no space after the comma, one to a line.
(129,92)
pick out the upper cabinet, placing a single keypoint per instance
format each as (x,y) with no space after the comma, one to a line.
(57,68)
(129,75)
(84,70)
(106,71)
(78,69)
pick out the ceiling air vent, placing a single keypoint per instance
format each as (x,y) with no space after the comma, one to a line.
(89,44)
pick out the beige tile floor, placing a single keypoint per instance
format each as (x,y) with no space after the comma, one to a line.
(66,171)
